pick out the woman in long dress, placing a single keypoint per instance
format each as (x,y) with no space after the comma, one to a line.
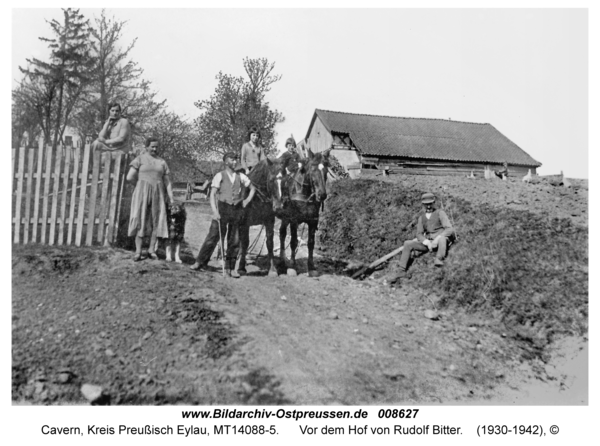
(149,201)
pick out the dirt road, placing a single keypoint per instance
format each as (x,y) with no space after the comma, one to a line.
(155,332)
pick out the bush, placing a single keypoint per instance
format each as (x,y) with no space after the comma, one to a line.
(528,270)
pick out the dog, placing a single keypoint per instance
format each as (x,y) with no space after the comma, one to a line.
(176,217)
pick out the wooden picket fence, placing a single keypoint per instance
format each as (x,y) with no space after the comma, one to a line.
(68,196)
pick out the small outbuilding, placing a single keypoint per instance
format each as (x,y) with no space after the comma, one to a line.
(191,177)
(362,143)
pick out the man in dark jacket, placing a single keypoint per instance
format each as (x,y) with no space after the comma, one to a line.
(434,230)
(290,156)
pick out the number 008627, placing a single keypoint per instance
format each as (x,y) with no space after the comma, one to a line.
(398,413)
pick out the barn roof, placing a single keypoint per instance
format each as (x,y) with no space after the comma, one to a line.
(435,139)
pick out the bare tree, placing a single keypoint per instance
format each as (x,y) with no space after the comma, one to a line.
(29,109)
(116,78)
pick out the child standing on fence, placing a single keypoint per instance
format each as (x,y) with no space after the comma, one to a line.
(148,204)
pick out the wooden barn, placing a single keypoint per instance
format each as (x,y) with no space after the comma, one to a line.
(363,143)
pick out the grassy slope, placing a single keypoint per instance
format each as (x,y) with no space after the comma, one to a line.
(524,269)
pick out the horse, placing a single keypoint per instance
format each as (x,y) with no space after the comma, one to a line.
(267,178)
(306,193)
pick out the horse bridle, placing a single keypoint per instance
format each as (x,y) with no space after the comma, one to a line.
(311,185)
(264,197)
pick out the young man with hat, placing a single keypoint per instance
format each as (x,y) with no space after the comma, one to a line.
(502,173)
(252,152)
(227,203)
(434,230)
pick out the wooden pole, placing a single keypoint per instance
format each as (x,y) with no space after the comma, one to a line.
(104,202)
(91,220)
(110,232)
(74,188)
(28,195)
(377,262)
(55,198)
(38,183)
(82,194)
(20,176)
(63,205)
(120,202)
(48,175)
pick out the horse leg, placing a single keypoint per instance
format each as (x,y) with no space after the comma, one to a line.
(282,236)
(244,243)
(293,246)
(312,229)
(270,233)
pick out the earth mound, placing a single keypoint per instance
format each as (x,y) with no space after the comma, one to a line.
(519,265)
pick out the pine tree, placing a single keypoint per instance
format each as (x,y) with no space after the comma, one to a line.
(55,87)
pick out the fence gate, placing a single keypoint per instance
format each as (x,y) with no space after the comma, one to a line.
(68,196)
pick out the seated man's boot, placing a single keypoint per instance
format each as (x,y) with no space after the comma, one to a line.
(395,276)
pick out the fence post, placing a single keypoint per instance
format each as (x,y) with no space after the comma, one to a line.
(114,200)
(74,188)
(38,183)
(28,195)
(104,203)
(91,220)
(17,238)
(12,181)
(63,206)
(124,208)
(57,169)
(48,174)
(81,209)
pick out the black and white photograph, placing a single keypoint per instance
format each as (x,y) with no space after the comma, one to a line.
(265,210)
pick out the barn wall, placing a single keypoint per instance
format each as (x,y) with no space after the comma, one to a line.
(346,157)
(437,167)
(319,139)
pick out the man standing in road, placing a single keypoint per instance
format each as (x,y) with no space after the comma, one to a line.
(227,203)
(434,230)
(252,152)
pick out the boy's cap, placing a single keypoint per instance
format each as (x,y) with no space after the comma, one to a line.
(232,155)
(427,197)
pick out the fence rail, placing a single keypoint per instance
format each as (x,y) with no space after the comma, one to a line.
(66,196)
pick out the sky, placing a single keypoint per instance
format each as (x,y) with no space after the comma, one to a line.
(525,71)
